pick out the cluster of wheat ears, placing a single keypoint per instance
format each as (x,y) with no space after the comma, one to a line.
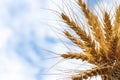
(101,47)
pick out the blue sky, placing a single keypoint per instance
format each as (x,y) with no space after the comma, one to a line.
(21,35)
(23,31)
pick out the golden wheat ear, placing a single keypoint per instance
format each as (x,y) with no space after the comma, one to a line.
(75,40)
(74,55)
(108,32)
(83,56)
(107,27)
(92,72)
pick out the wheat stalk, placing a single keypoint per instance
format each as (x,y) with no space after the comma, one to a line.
(103,50)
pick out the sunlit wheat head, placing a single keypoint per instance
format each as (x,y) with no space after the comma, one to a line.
(96,32)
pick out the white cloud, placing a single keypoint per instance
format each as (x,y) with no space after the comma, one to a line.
(5,34)
(13,68)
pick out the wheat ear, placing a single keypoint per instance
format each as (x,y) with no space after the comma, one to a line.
(107,27)
(92,72)
(74,55)
(108,31)
(117,21)
(94,24)
(82,56)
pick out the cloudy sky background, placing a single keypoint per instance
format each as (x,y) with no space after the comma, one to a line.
(23,32)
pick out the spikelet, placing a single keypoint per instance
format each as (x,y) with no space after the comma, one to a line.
(76,41)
